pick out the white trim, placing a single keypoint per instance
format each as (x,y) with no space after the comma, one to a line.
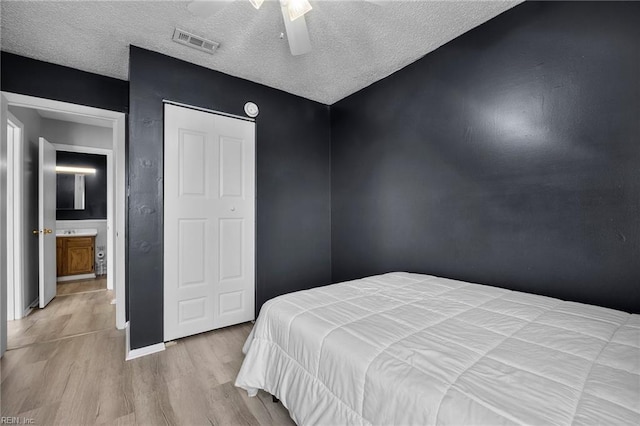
(75,277)
(111,179)
(11,216)
(111,211)
(82,149)
(25,101)
(29,308)
(10,200)
(212,111)
(140,352)
(116,247)
(15,263)
(147,350)
(116,209)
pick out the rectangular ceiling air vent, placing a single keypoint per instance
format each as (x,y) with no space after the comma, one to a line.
(192,40)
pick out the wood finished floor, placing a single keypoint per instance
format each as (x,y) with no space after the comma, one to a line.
(84,379)
(80,307)
(81,286)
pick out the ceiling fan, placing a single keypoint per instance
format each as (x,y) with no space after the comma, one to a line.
(293,12)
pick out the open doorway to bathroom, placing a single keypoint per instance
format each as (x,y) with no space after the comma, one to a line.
(88,211)
(81,215)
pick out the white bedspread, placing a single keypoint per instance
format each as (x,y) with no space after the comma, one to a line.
(400,348)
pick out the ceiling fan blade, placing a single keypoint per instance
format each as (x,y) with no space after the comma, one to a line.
(297,34)
(206,8)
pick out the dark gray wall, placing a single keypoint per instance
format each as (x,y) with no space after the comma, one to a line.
(509,157)
(50,81)
(293,182)
(95,187)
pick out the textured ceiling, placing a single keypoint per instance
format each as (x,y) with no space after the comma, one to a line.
(355,43)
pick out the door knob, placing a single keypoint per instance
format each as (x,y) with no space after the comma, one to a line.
(48,231)
(35,232)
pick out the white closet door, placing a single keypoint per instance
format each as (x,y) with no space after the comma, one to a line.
(209,221)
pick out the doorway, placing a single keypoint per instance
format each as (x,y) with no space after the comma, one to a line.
(115,229)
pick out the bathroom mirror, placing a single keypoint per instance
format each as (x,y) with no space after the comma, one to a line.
(70,190)
(81,180)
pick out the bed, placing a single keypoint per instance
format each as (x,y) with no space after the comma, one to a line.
(402,348)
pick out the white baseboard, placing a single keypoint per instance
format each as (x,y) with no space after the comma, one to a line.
(76,277)
(147,350)
(127,340)
(140,352)
(26,312)
(30,308)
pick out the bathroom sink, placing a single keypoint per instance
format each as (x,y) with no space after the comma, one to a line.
(86,232)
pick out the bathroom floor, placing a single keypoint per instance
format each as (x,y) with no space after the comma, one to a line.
(81,286)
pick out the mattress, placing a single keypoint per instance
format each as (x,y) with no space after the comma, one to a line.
(405,348)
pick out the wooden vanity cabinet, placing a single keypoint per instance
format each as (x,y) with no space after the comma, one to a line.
(75,255)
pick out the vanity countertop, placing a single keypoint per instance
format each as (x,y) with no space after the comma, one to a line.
(85,232)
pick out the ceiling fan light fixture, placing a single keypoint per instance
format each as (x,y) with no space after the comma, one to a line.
(256,3)
(298,8)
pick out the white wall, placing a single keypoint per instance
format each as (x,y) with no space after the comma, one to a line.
(32,127)
(67,133)
(100,225)
(3,229)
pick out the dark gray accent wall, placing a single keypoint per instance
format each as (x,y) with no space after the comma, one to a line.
(50,81)
(509,157)
(293,230)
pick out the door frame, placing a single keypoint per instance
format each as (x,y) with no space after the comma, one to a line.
(116,210)
(110,200)
(15,168)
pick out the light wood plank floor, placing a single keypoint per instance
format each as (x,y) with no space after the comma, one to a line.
(81,286)
(64,316)
(85,380)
